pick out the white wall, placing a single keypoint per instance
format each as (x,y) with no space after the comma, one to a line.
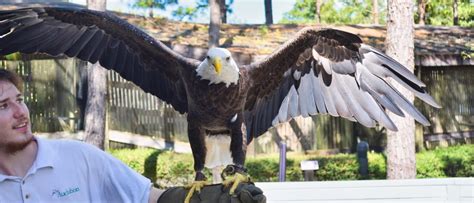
(447,190)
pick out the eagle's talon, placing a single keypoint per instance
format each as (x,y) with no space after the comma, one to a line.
(195,186)
(235,180)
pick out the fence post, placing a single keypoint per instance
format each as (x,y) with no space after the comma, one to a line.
(281,177)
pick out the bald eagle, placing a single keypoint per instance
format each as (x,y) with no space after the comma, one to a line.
(318,71)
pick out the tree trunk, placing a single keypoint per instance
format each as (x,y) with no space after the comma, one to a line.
(421,12)
(150,12)
(99,5)
(268,12)
(375,11)
(215,24)
(455,13)
(401,163)
(96,94)
(305,143)
(317,17)
(223,8)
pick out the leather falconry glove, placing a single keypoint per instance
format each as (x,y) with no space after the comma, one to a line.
(216,193)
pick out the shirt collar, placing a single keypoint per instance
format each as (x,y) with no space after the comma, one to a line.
(45,157)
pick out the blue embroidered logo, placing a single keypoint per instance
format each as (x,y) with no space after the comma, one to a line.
(59,194)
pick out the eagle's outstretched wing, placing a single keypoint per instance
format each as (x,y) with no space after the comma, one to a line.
(98,37)
(326,71)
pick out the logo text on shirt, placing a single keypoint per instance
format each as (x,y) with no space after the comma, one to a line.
(59,194)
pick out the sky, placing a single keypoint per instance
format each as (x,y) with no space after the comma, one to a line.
(244,11)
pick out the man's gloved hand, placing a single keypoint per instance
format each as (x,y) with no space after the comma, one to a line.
(245,193)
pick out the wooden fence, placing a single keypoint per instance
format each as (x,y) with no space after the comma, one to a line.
(453,88)
(132,110)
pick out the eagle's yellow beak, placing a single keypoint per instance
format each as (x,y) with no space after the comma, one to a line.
(216,62)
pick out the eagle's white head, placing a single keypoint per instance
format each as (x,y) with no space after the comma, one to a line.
(219,67)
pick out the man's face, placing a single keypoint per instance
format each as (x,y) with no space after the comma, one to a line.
(15,127)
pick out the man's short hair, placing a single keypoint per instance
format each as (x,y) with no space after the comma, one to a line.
(10,76)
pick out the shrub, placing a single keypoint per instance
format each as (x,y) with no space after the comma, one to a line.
(337,167)
(428,165)
(458,161)
(377,166)
(263,169)
(167,169)
(164,168)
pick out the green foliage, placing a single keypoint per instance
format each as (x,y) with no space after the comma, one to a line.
(440,12)
(263,169)
(160,4)
(152,4)
(174,169)
(338,167)
(428,165)
(185,12)
(377,166)
(171,169)
(191,12)
(457,161)
(335,12)
(263,29)
(165,168)
(134,158)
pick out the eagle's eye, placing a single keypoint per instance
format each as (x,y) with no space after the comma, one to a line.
(227,58)
(208,57)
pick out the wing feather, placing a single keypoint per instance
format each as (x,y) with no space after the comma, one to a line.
(97,37)
(341,77)
(293,109)
(88,48)
(317,93)
(307,104)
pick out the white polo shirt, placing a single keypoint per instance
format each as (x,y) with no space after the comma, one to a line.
(72,171)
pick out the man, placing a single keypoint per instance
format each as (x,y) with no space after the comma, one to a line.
(40,170)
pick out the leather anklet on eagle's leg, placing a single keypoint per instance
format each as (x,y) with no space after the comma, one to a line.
(234,175)
(196,186)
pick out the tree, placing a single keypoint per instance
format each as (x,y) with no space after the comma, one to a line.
(305,143)
(215,23)
(333,12)
(268,12)
(432,12)
(375,11)
(455,13)
(441,12)
(202,5)
(223,8)
(152,4)
(421,12)
(319,3)
(96,92)
(401,163)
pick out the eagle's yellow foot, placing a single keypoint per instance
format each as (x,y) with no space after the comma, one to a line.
(235,180)
(196,186)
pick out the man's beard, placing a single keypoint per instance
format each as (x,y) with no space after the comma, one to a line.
(14,147)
